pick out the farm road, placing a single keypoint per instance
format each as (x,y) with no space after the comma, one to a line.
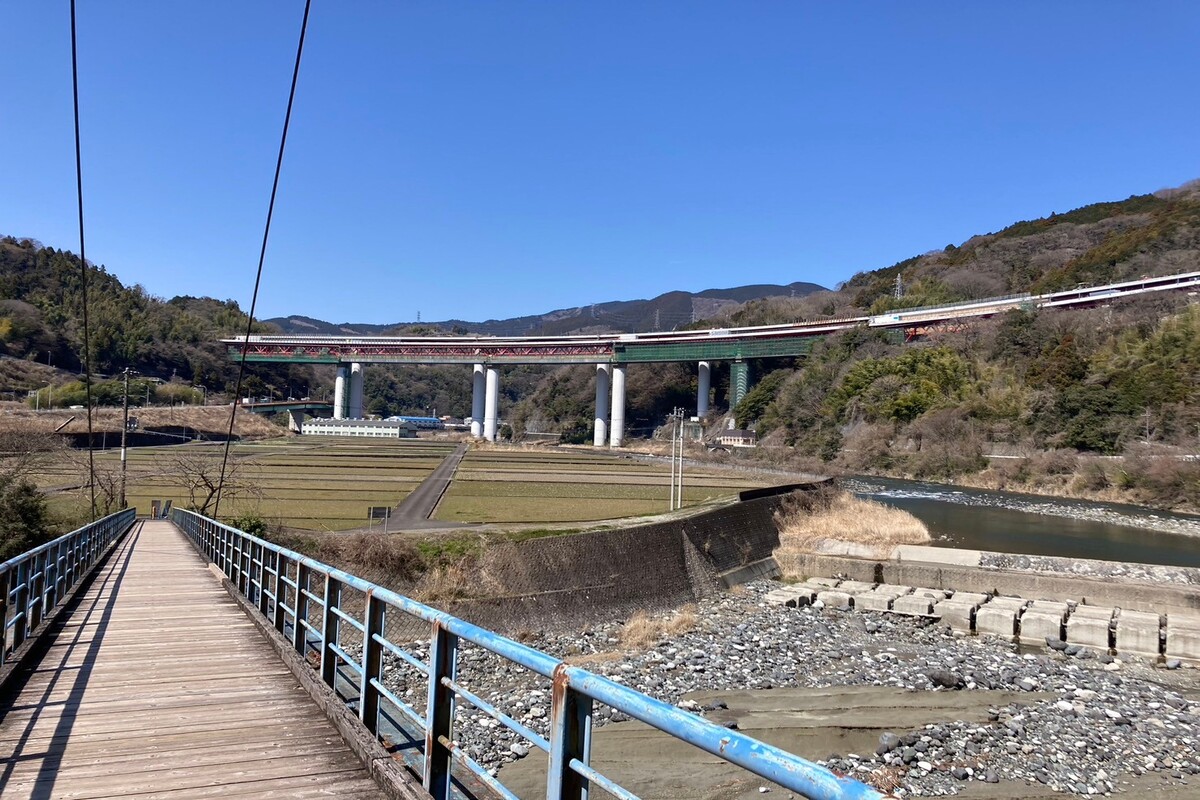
(418,507)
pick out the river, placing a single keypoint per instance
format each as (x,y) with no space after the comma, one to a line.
(1021,523)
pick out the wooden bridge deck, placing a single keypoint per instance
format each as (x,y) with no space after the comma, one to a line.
(157,685)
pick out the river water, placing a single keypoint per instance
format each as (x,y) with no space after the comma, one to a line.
(1020,523)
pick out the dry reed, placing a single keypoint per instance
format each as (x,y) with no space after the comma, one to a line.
(806,526)
(642,630)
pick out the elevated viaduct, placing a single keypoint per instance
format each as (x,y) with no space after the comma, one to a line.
(612,353)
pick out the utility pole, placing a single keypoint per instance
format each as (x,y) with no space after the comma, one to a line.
(124,428)
(677,416)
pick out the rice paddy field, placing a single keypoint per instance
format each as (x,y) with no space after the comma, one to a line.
(573,486)
(328,484)
(322,485)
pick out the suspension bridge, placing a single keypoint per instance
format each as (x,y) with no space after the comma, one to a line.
(185,658)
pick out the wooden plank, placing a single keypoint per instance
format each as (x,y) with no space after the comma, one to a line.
(158,686)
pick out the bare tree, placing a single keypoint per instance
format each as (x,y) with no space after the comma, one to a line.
(197,471)
(22,451)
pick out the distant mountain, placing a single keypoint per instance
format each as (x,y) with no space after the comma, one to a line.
(665,312)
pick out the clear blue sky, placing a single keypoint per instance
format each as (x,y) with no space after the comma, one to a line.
(490,159)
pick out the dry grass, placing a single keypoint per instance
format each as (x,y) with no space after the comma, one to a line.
(444,584)
(642,630)
(806,524)
(211,420)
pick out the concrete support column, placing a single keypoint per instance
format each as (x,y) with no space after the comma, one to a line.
(339,393)
(617,430)
(703,385)
(739,382)
(600,436)
(478,382)
(356,391)
(491,404)
(296,421)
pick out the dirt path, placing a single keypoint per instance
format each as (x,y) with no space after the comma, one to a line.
(419,506)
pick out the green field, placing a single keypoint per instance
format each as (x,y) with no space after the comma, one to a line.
(328,484)
(556,486)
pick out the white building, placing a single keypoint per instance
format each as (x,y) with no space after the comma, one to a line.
(370,428)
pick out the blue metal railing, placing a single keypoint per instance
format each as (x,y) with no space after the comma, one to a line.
(292,590)
(34,583)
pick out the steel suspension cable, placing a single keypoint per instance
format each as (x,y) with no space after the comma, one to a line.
(83,270)
(262,255)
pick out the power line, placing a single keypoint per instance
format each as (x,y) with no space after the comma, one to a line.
(262,255)
(83,276)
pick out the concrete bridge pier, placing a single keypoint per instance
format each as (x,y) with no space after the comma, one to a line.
(478,386)
(491,403)
(600,436)
(703,387)
(617,431)
(356,391)
(339,393)
(739,382)
(296,421)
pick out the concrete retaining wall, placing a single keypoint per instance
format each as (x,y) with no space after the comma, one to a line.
(946,568)
(572,580)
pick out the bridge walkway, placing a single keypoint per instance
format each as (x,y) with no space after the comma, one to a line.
(156,685)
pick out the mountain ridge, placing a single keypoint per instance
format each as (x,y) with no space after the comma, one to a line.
(663,312)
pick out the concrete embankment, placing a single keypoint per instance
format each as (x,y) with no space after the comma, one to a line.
(566,581)
(1059,603)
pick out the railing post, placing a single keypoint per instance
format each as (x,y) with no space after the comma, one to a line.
(439,715)
(72,560)
(50,595)
(279,619)
(243,580)
(570,738)
(37,589)
(5,589)
(299,632)
(372,662)
(329,630)
(264,602)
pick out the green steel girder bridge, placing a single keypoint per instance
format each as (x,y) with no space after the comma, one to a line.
(612,353)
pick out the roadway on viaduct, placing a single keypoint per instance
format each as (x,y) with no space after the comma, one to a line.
(612,352)
(717,344)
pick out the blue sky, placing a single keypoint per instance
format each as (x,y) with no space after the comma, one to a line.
(483,160)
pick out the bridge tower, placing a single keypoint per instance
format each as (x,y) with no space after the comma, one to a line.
(739,382)
(339,393)
(478,387)
(491,403)
(703,387)
(600,433)
(355,410)
(617,431)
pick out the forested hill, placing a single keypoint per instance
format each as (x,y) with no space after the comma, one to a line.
(1151,234)
(1049,390)
(41,320)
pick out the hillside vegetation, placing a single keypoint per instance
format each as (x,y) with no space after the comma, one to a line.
(1055,391)
(41,313)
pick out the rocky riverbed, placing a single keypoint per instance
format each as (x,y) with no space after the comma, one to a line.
(1083,723)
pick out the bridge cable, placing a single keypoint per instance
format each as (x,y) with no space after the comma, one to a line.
(261,258)
(83,269)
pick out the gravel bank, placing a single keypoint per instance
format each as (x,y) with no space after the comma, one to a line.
(1091,724)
